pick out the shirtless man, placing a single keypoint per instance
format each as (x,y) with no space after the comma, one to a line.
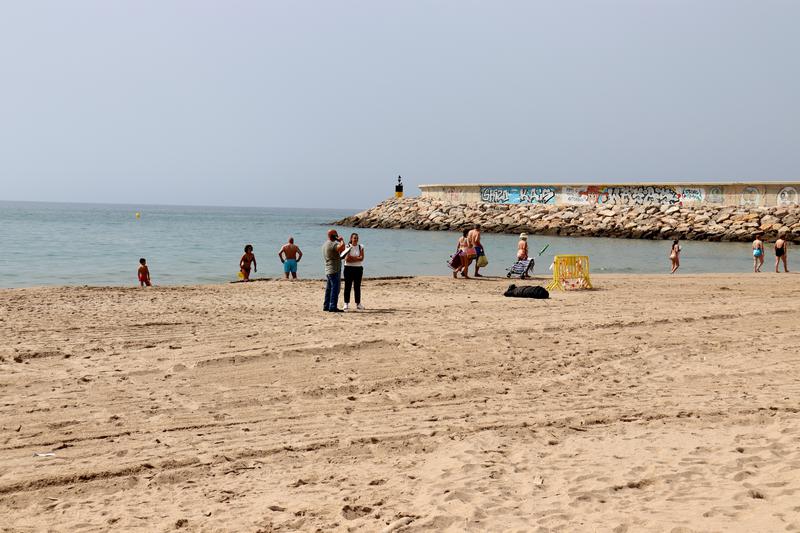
(781,249)
(474,237)
(289,255)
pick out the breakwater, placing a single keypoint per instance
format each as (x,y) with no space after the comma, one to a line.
(703,222)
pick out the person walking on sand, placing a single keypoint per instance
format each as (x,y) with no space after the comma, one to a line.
(144,273)
(464,252)
(290,255)
(333,271)
(474,237)
(758,253)
(781,253)
(247,259)
(675,256)
(353,271)
(522,247)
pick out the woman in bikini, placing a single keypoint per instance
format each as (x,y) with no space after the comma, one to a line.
(781,249)
(675,256)
(465,252)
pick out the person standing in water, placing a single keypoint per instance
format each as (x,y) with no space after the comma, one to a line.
(246,260)
(353,271)
(144,273)
(522,247)
(758,253)
(290,255)
(675,256)
(781,253)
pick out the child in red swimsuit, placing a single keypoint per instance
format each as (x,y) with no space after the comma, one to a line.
(144,273)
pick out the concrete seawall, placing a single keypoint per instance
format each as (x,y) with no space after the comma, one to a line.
(683,194)
(689,222)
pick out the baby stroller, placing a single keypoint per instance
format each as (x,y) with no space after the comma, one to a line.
(521,269)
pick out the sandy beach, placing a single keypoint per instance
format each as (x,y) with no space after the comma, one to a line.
(653,403)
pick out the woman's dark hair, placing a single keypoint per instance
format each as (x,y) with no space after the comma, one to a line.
(675,241)
(248,248)
(351,237)
(465,232)
(142,261)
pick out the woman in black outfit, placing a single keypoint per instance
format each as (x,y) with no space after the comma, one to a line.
(353,271)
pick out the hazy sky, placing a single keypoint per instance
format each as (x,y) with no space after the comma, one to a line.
(324,103)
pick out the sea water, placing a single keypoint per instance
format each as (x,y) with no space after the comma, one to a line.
(94,244)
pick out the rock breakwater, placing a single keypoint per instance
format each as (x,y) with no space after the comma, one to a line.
(702,223)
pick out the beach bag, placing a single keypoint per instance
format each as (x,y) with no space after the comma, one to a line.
(482,261)
(455,261)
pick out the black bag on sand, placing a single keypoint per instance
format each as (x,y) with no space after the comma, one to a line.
(526,292)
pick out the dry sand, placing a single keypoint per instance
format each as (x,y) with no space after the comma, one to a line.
(654,403)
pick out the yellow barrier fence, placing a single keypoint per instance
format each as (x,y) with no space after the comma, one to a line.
(570,272)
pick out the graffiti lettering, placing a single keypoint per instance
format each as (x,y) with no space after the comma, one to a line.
(692,195)
(640,195)
(537,195)
(494,195)
(518,195)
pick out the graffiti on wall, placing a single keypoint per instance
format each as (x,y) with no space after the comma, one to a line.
(715,195)
(454,195)
(630,195)
(750,197)
(787,196)
(518,195)
(590,194)
(641,195)
(692,195)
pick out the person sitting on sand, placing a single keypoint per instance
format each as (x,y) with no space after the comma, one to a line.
(781,252)
(144,273)
(246,260)
(675,256)
(290,255)
(474,237)
(758,253)
(522,247)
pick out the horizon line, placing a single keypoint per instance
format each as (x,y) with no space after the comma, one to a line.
(175,205)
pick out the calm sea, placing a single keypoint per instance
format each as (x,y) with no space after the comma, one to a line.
(93,244)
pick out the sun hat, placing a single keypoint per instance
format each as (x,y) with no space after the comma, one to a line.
(523,236)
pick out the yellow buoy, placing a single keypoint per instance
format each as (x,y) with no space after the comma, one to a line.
(138,214)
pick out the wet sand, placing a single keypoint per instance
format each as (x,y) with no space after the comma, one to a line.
(644,405)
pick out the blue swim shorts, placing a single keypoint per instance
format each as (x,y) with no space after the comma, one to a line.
(290,265)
